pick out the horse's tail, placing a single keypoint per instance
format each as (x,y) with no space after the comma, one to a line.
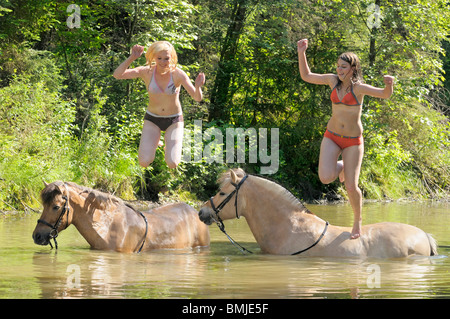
(433,245)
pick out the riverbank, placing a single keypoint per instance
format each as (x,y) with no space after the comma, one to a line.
(144,205)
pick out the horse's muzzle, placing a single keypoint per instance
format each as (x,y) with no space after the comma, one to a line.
(206,215)
(41,238)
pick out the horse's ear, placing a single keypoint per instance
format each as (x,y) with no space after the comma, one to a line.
(45,183)
(234,177)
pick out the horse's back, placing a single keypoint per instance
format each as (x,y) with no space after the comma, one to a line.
(182,219)
(174,208)
(390,239)
(176,212)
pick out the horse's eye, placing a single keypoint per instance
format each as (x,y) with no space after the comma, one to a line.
(222,194)
(56,207)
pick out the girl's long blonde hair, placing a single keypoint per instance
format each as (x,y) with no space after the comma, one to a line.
(159,46)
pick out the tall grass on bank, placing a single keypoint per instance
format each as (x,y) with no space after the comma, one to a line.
(38,142)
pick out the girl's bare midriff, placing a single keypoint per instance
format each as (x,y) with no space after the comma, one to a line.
(160,103)
(346,120)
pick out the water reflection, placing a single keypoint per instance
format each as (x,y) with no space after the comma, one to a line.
(197,275)
(110,274)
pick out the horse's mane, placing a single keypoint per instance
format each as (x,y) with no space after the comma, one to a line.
(53,189)
(268,184)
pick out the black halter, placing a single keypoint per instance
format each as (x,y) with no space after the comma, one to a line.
(219,207)
(54,232)
(226,200)
(66,209)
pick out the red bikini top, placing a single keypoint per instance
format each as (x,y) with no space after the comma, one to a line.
(349,99)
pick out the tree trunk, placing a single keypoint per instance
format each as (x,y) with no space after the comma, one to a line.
(220,97)
(373,33)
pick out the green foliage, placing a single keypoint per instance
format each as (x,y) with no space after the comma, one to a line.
(63,116)
(35,129)
(38,142)
(265,89)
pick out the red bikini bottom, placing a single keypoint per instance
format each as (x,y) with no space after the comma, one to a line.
(343,141)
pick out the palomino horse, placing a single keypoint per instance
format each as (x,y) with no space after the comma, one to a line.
(107,223)
(282,225)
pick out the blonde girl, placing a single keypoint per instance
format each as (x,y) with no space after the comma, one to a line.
(164,112)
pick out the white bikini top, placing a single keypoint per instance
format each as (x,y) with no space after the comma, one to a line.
(154,87)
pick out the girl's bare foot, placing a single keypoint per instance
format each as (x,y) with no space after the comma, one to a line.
(356,231)
(341,174)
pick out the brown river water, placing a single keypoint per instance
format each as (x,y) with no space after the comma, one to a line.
(222,271)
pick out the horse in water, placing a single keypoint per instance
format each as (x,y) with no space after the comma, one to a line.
(108,223)
(283,226)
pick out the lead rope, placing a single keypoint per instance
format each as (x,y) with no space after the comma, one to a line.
(317,241)
(146,225)
(146,231)
(221,226)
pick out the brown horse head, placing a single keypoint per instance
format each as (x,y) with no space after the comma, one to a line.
(55,214)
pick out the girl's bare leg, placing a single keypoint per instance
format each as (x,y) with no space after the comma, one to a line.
(352,157)
(329,166)
(174,143)
(150,139)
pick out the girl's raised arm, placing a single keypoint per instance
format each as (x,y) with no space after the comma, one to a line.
(384,93)
(195,91)
(305,72)
(122,72)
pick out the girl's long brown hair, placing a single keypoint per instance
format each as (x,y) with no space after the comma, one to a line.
(352,59)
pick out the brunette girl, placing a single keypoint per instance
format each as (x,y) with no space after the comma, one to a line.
(343,135)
